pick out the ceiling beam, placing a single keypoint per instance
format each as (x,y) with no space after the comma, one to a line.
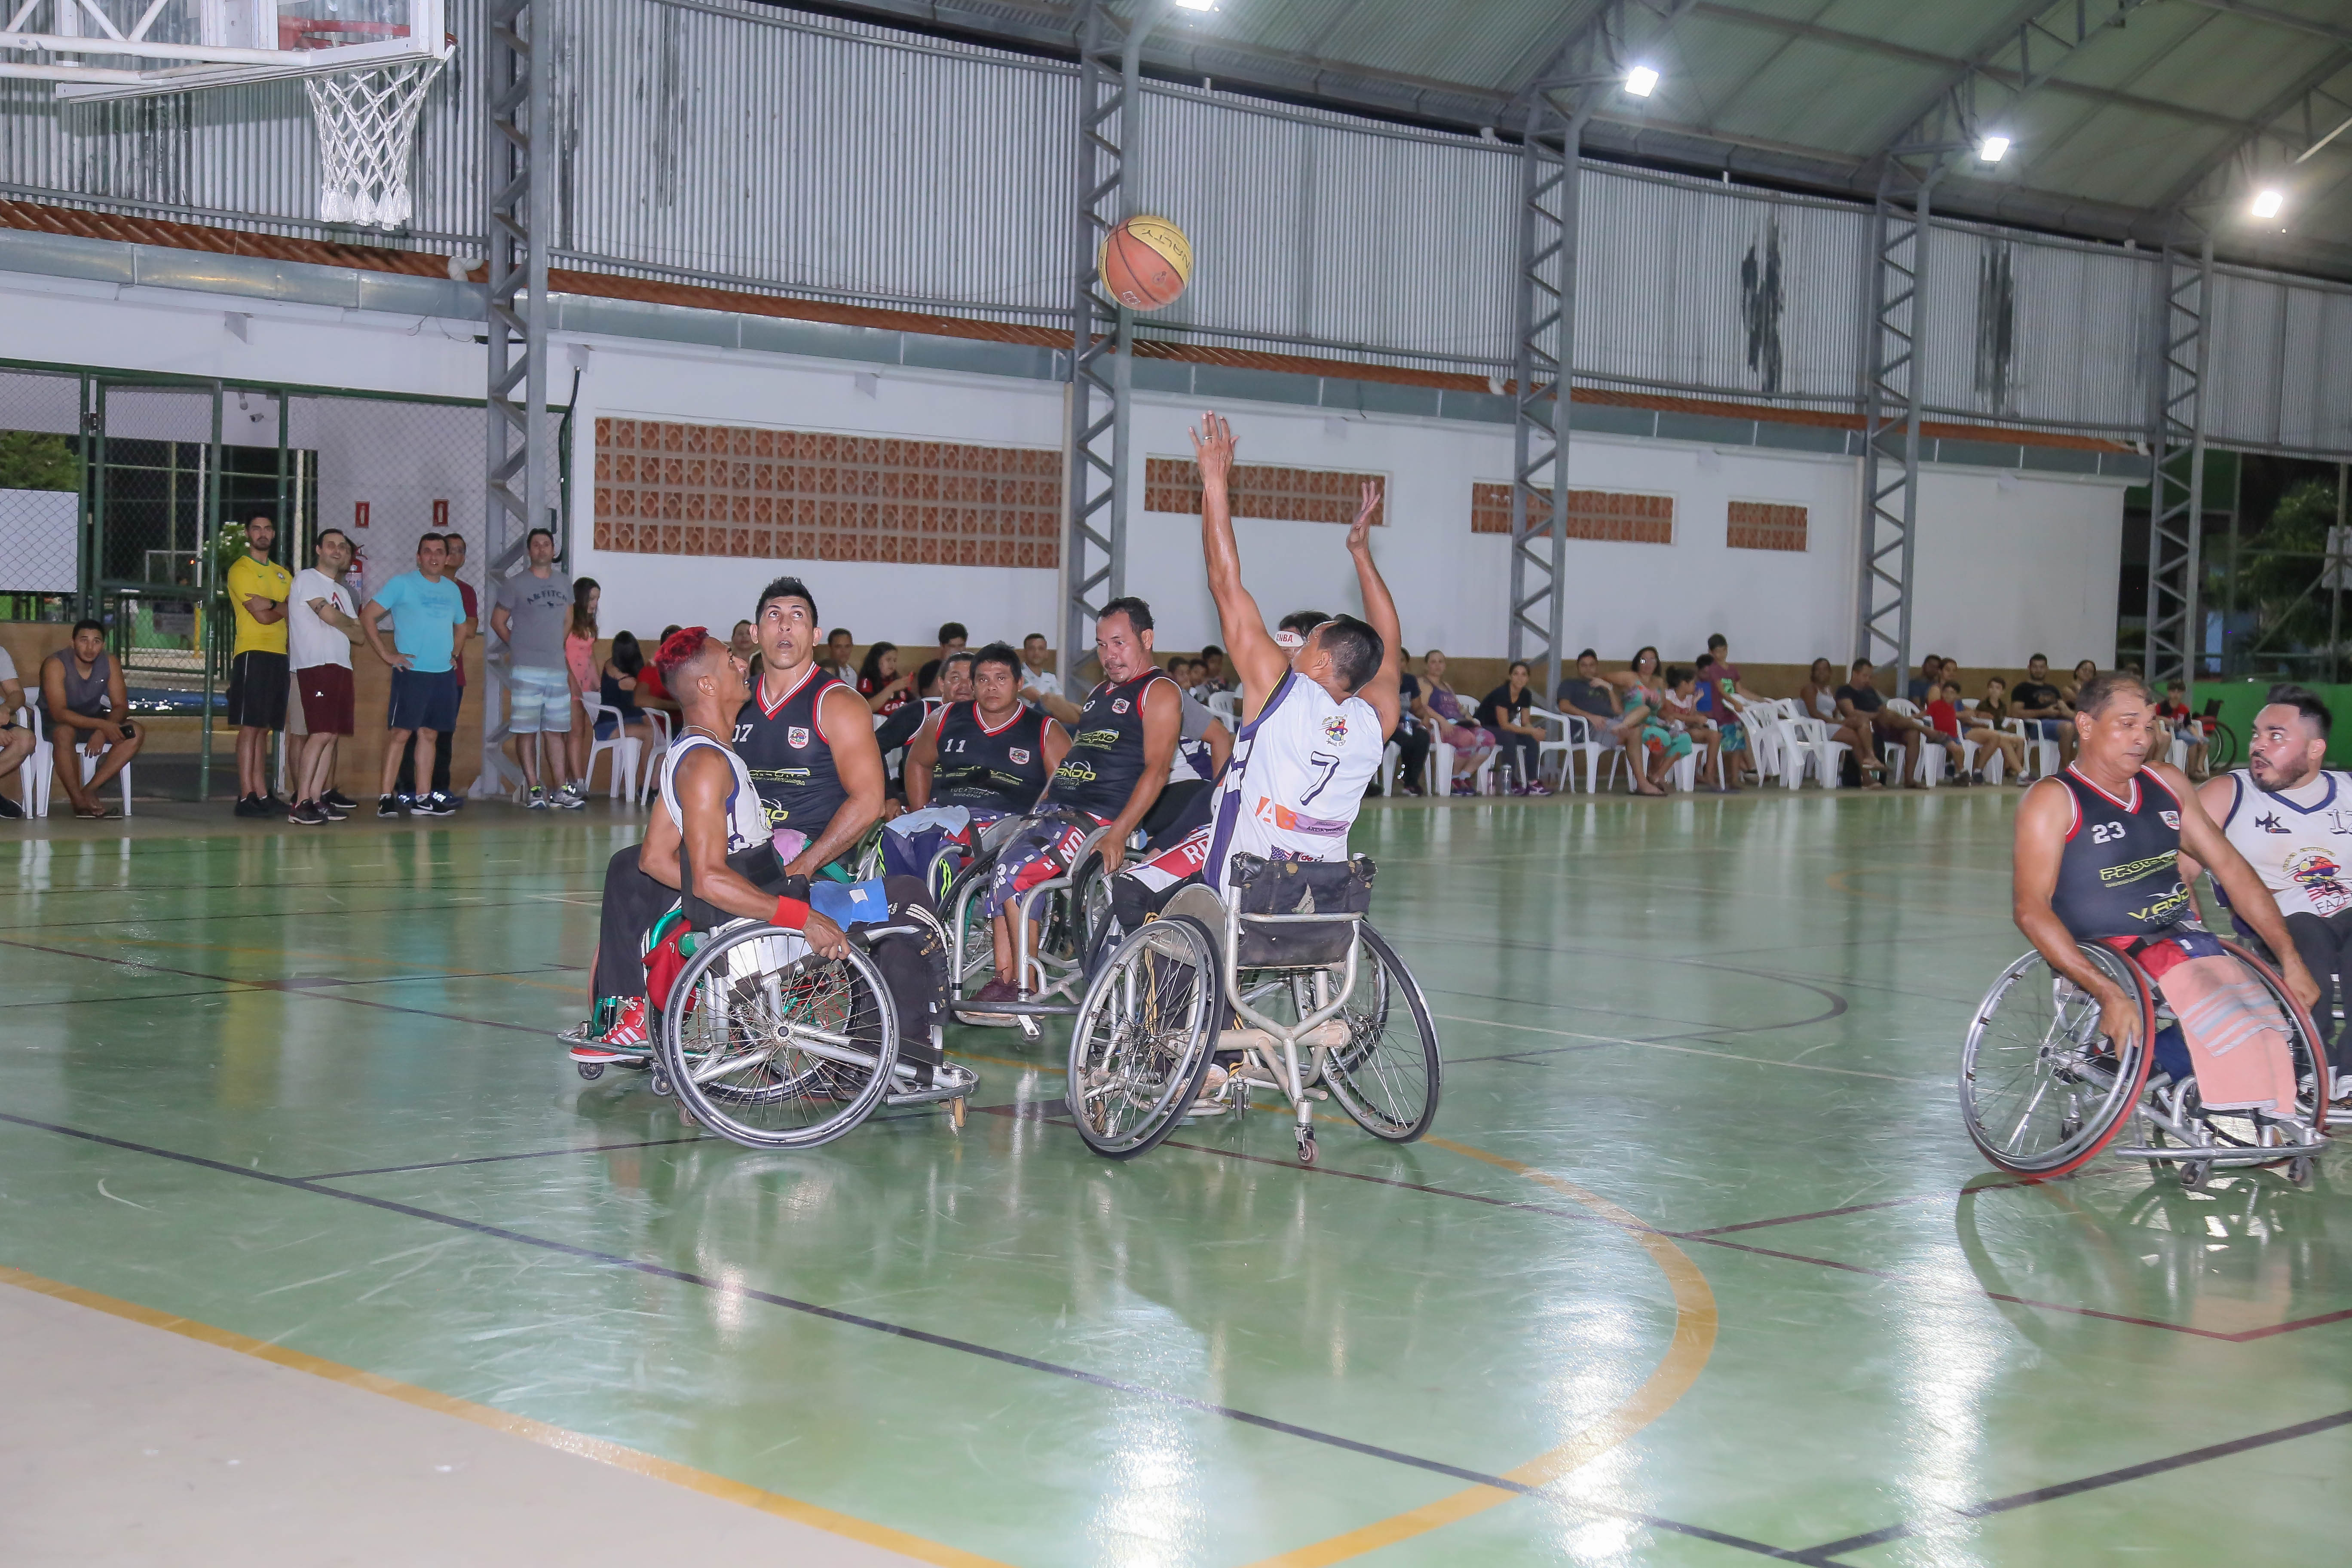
(1950,106)
(2330,65)
(2277,18)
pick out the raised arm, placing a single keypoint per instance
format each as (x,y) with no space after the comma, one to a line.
(1379,609)
(2251,903)
(1250,652)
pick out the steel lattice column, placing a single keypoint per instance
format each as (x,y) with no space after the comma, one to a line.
(518,222)
(1544,321)
(1894,383)
(1094,533)
(2177,482)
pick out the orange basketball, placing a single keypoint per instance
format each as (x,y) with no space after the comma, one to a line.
(1145,262)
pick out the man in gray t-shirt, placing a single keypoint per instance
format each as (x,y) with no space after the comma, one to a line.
(531,613)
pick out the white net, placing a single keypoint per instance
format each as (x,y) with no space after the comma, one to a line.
(367,129)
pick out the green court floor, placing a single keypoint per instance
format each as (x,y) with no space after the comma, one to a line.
(1697,1266)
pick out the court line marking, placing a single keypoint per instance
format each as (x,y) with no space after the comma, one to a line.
(634,1461)
(1686,1050)
(1821,1557)
(1504,1486)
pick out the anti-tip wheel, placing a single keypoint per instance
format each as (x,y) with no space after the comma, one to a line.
(2303,1172)
(956,1112)
(1307,1148)
(659,1083)
(592,1071)
(2193,1172)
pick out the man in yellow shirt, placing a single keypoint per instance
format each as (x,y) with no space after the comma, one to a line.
(259,675)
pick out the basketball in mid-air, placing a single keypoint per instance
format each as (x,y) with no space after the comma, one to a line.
(1145,262)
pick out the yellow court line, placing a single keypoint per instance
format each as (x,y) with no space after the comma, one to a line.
(621,1458)
(1667,1046)
(1678,1370)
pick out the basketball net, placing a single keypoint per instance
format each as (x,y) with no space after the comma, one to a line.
(367,128)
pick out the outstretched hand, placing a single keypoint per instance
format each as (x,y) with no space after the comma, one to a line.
(1359,532)
(1215,450)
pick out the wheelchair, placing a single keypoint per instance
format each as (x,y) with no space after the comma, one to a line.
(2042,1093)
(1307,1000)
(773,1047)
(1072,912)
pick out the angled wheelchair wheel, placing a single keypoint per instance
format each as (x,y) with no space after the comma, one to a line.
(1141,1045)
(2240,1130)
(971,943)
(1388,1073)
(2041,1092)
(773,1047)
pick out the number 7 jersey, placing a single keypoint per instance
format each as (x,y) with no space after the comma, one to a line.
(1295,779)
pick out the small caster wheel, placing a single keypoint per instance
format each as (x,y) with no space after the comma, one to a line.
(592,1071)
(659,1083)
(2303,1172)
(1307,1148)
(955,1112)
(1030,1030)
(2193,1173)
(685,1117)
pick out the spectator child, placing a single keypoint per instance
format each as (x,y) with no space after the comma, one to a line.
(2180,723)
(1679,710)
(580,667)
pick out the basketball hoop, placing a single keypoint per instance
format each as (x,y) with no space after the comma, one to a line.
(367,129)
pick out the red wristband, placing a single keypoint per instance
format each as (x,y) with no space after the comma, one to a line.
(791,913)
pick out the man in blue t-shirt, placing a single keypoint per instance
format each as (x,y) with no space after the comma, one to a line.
(428,633)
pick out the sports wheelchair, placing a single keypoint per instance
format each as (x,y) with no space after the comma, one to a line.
(1072,912)
(768,1044)
(1287,979)
(2042,1092)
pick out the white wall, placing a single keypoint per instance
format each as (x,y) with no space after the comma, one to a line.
(2006,563)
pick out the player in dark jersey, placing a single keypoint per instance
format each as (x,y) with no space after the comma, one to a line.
(2098,847)
(989,754)
(1121,747)
(807,739)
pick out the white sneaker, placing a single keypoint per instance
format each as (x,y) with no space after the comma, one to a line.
(2340,1091)
(571,798)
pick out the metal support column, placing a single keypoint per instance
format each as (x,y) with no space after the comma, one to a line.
(2177,481)
(1093,500)
(1544,326)
(1893,384)
(518,222)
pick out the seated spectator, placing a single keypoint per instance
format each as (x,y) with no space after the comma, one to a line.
(1212,660)
(618,687)
(1973,725)
(1518,731)
(745,644)
(1866,713)
(2084,673)
(952,636)
(2176,721)
(1196,677)
(1412,731)
(1585,695)
(1448,722)
(1713,688)
(2045,710)
(82,691)
(1642,696)
(1180,670)
(1678,710)
(839,645)
(1820,697)
(650,692)
(1931,673)
(16,740)
(878,680)
(1038,680)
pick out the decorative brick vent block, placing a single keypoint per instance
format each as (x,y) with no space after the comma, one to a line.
(1298,495)
(1766,525)
(666,489)
(1623,517)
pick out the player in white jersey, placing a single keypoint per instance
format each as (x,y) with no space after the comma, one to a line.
(1314,716)
(2290,816)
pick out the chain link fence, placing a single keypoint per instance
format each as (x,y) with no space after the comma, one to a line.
(41,466)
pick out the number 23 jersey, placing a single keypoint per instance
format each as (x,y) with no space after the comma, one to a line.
(1296,780)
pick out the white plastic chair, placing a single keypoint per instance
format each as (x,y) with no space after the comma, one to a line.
(45,753)
(36,774)
(2041,754)
(626,749)
(1441,772)
(1227,706)
(650,781)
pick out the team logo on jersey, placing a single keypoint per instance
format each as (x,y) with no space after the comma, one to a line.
(1119,705)
(2269,823)
(1335,729)
(796,738)
(2171,819)
(1020,755)
(2321,880)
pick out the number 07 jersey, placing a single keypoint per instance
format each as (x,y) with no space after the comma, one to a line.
(1295,779)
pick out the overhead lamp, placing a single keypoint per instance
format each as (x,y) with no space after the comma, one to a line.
(2268,202)
(1196,5)
(1993,148)
(1640,82)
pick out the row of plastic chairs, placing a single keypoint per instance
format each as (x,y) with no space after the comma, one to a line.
(36,774)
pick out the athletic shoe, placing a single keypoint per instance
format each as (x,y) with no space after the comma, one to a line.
(390,805)
(250,805)
(976,1010)
(330,810)
(627,1037)
(336,800)
(570,798)
(308,814)
(1537,789)
(1463,786)
(9,810)
(433,805)
(536,800)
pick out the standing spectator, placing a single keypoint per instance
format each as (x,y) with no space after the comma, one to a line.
(1721,647)
(1038,680)
(580,667)
(2044,710)
(839,644)
(531,616)
(429,629)
(453,547)
(1516,731)
(81,687)
(878,680)
(257,671)
(16,740)
(952,636)
(320,620)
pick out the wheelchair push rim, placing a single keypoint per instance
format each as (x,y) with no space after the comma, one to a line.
(1388,1075)
(1140,1046)
(2041,1094)
(773,1047)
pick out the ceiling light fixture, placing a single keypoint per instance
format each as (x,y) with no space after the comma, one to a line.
(1196,5)
(1993,148)
(2268,202)
(1640,82)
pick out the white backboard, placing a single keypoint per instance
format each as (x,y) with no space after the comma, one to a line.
(123,49)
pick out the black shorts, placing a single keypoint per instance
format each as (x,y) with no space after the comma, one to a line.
(424,699)
(257,684)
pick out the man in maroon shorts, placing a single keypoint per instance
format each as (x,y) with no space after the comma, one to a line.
(320,619)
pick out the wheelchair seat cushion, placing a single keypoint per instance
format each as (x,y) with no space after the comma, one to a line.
(2238,1038)
(1298,888)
